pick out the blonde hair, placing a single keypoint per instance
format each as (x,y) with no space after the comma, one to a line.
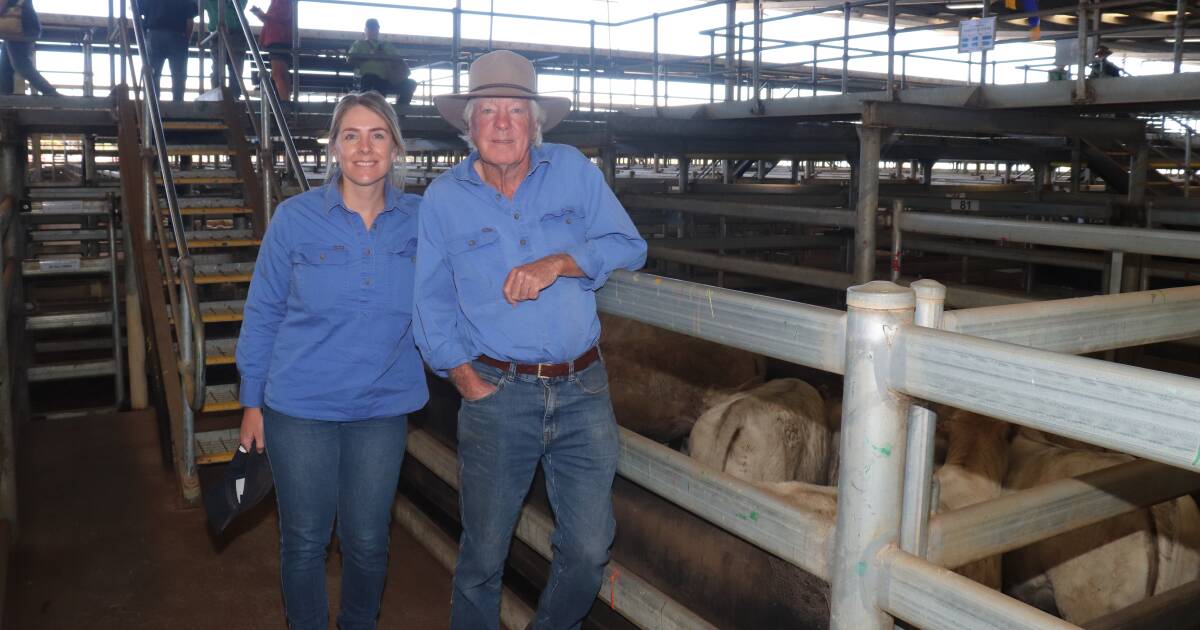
(536,114)
(375,102)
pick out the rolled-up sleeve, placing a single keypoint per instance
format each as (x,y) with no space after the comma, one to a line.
(611,241)
(266,306)
(435,311)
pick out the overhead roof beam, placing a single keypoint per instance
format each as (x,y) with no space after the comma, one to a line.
(994,122)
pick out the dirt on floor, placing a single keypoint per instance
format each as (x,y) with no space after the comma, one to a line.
(104,543)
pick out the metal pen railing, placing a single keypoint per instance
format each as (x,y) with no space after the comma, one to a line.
(189,324)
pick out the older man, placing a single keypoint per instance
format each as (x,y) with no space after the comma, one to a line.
(514,242)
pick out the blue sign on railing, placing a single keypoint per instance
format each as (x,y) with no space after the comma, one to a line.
(976,34)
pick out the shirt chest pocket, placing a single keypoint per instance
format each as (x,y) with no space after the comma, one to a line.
(321,276)
(476,258)
(399,265)
(563,228)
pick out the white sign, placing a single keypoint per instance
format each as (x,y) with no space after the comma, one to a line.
(968,205)
(976,34)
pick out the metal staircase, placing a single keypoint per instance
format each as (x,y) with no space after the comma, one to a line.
(71,275)
(206,185)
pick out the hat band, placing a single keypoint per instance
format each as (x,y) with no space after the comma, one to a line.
(502,85)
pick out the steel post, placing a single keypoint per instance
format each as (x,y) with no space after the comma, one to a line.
(1081,14)
(795,171)
(891,53)
(1139,163)
(756,72)
(114,294)
(295,69)
(897,239)
(1076,165)
(592,67)
(657,68)
(983,54)
(684,163)
(455,46)
(918,462)
(138,386)
(845,46)
(730,21)
(872,455)
(1180,25)
(266,156)
(1187,164)
(867,202)
(88,79)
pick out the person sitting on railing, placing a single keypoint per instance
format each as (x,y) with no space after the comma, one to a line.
(168,26)
(1102,68)
(237,42)
(379,66)
(17,54)
(276,39)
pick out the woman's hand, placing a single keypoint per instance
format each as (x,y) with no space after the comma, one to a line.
(252,429)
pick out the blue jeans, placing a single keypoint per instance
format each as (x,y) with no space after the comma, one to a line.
(325,469)
(567,425)
(169,46)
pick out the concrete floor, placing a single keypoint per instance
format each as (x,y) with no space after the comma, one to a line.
(104,543)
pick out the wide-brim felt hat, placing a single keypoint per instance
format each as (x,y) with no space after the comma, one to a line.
(501,74)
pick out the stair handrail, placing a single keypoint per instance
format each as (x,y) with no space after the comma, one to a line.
(266,86)
(191,323)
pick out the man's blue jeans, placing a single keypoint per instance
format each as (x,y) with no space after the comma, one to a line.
(323,470)
(567,425)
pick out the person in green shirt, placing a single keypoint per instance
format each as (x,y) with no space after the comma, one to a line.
(237,41)
(378,66)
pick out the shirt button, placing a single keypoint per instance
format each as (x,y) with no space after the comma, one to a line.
(522,241)
(322,256)
(497,196)
(471,243)
(516,215)
(367,252)
(568,220)
(367,282)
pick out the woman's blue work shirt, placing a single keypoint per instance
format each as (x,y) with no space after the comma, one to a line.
(328,322)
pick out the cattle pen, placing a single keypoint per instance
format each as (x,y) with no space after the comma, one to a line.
(885,557)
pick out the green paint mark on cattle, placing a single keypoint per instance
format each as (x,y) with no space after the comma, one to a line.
(885,450)
(752,516)
(860,569)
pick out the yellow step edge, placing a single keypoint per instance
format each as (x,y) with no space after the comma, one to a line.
(221,278)
(232,405)
(193,151)
(203,211)
(209,318)
(204,180)
(231,242)
(219,360)
(215,458)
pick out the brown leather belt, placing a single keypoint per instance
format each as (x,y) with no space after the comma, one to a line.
(547,370)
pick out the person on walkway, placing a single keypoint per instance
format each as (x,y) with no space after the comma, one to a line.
(237,42)
(328,367)
(378,66)
(514,243)
(276,39)
(1102,68)
(168,25)
(17,53)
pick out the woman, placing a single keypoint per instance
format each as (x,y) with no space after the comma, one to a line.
(276,39)
(328,365)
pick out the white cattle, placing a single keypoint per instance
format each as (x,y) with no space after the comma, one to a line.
(660,381)
(1089,572)
(777,431)
(973,472)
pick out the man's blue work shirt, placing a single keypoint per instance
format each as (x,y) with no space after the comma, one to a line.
(472,236)
(328,322)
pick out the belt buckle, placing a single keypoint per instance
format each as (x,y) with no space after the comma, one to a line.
(539,371)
